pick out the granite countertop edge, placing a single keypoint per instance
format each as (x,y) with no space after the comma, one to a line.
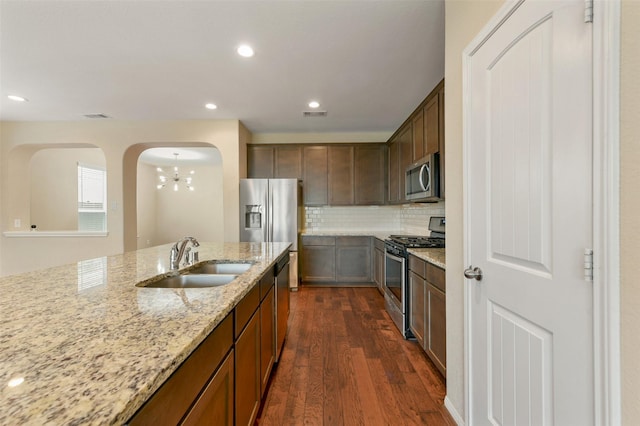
(92,347)
(435,256)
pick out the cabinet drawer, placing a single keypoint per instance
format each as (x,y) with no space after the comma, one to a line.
(245,309)
(266,283)
(417,265)
(436,276)
(170,403)
(353,241)
(318,241)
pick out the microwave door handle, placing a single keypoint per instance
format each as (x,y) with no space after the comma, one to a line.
(425,167)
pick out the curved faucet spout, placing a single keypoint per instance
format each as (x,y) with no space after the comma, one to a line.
(178,250)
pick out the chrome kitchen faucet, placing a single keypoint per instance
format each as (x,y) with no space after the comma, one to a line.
(178,250)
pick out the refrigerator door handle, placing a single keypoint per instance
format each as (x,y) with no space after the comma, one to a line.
(270,215)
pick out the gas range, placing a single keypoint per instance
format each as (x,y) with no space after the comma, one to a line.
(413,241)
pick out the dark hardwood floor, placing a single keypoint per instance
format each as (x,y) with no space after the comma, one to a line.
(345,363)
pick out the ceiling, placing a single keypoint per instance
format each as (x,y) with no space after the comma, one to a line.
(369,63)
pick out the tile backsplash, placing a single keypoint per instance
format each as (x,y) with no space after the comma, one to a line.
(407,218)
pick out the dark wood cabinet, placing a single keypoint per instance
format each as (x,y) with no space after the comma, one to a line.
(427,309)
(436,343)
(318,259)
(406,153)
(330,259)
(215,404)
(418,135)
(369,174)
(417,306)
(441,143)
(394,177)
(334,174)
(315,177)
(247,372)
(260,161)
(288,162)
(267,338)
(341,175)
(171,402)
(353,259)
(432,125)
(378,264)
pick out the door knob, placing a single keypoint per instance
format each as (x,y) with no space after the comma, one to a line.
(473,273)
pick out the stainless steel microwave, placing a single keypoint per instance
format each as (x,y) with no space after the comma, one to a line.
(422,180)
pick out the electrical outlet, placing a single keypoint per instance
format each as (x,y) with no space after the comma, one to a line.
(17,223)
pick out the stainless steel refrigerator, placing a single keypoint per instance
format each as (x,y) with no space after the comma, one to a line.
(270,211)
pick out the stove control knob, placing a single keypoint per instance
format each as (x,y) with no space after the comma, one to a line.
(473,273)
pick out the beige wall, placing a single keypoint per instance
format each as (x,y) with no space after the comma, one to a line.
(121,142)
(345,137)
(629,208)
(146,206)
(197,213)
(54,186)
(464,20)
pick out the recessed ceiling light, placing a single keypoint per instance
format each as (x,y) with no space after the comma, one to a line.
(314,104)
(17,98)
(211,106)
(245,51)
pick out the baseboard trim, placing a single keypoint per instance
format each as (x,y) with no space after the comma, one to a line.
(452,410)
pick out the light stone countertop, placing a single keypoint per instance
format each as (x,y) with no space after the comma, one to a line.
(435,256)
(92,348)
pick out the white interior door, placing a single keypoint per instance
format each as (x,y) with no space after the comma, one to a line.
(528,217)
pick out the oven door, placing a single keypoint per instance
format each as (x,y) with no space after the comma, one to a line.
(394,277)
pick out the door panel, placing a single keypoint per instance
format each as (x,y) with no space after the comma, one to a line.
(529,218)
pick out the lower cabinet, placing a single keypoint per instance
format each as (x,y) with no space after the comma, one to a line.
(224,380)
(331,259)
(427,309)
(378,264)
(248,377)
(174,399)
(216,401)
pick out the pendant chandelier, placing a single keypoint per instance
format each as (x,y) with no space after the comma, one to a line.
(175,177)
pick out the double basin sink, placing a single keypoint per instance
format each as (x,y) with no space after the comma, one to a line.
(205,274)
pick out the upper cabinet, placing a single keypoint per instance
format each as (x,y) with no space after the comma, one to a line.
(420,135)
(268,161)
(331,174)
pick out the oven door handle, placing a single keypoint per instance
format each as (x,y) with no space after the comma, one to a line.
(394,257)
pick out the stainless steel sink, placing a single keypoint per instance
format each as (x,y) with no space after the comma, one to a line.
(213,267)
(190,281)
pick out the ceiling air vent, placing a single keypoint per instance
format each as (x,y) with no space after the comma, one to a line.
(314,113)
(97,115)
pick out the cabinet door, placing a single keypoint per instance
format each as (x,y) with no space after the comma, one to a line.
(441,139)
(418,135)
(406,153)
(215,404)
(394,172)
(267,339)
(432,125)
(417,305)
(288,162)
(260,161)
(436,343)
(315,178)
(247,377)
(369,174)
(341,175)
(353,259)
(378,269)
(318,263)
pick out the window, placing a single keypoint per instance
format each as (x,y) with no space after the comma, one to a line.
(92,198)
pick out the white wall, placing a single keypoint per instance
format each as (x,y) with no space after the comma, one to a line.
(121,142)
(629,208)
(464,19)
(54,186)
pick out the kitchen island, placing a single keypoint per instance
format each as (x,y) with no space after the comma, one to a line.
(81,344)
